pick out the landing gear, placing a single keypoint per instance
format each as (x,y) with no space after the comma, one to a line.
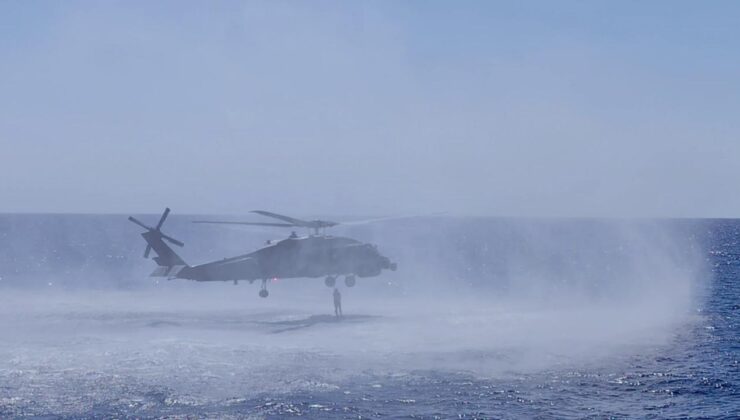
(330,281)
(263,290)
(350,281)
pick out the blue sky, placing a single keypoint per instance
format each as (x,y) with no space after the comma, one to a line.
(578,108)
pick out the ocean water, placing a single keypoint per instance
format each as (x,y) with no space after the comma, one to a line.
(485,318)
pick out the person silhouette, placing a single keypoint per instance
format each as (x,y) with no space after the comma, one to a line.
(337,303)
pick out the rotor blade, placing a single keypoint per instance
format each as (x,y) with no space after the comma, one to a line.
(383,219)
(146,252)
(164,217)
(215,222)
(139,223)
(296,222)
(173,240)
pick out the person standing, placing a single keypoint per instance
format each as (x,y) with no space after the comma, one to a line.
(337,303)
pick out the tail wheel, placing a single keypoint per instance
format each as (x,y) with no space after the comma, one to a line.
(330,281)
(350,281)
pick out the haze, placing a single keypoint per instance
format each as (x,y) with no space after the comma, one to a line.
(491,108)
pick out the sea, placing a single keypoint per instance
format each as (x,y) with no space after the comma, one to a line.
(485,318)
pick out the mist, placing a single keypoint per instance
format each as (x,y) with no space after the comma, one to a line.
(488,297)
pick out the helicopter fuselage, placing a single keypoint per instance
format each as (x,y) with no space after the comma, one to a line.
(312,256)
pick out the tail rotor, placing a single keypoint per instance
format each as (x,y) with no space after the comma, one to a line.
(155,233)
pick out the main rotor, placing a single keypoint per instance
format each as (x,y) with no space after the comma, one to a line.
(289,222)
(318,226)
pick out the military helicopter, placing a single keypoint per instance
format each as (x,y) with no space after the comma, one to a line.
(316,255)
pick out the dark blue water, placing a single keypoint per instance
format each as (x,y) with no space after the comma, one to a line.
(695,373)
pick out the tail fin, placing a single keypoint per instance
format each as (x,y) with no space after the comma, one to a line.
(155,240)
(166,256)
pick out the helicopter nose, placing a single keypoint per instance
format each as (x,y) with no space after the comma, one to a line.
(387,264)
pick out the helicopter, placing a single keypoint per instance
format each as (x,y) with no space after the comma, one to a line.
(312,256)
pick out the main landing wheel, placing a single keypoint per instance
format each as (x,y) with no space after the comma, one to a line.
(330,281)
(263,289)
(350,281)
